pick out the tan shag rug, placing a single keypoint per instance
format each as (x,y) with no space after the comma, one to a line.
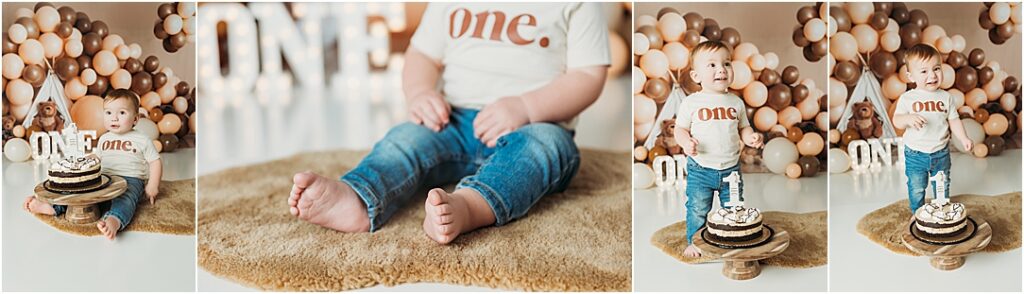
(173,213)
(576,240)
(885,225)
(808,245)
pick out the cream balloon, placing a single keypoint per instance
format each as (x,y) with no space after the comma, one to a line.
(765,118)
(17,150)
(832,27)
(866,36)
(975,98)
(1008,102)
(643,176)
(53,46)
(890,41)
(88,76)
(654,63)
(31,52)
(959,43)
(957,97)
(948,76)
(821,120)
(147,127)
(121,79)
(180,104)
(741,76)
(47,18)
(75,89)
(771,60)
(19,92)
(639,78)
(189,26)
(743,51)
(836,93)
(20,111)
(640,44)
(641,131)
(136,50)
(757,63)
(122,52)
(811,144)
(944,45)
(111,42)
(993,89)
(166,93)
(815,30)
(644,109)
(24,12)
(678,55)
(808,108)
(1015,13)
(13,66)
(843,46)
(778,153)
(672,26)
(789,116)
(999,13)
(838,161)
(73,48)
(105,63)
(755,94)
(172,24)
(892,87)
(17,33)
(860,12)
(186,9)
(150,100)
(931,34)
(646,20)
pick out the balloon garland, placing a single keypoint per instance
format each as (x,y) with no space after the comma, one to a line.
(90,61)
(1001,19)
(176,26)
(870,39)
(788,109)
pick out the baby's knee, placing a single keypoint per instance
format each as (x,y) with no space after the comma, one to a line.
(542,137)
(408,134)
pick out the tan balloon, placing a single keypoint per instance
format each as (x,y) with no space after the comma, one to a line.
(867,38)
(75,89)
(73,48)
(843,46)
(743,52)
(957,97)
(17,33)
(121,79)
(88,76)
(741,76)
(931,34)
(834,136)
(180,104)
(111,42)
(136,50)
(808,108)
(789,116)
(893,87)
(166,93)
(47,18)
(996,125)
(654,63)
(640,44)
(836,93)
(948,76)
(20,111)
(644,109)
(641,131)
(122,52)
(993,89)
(13,66)
(944,45)
(1008,102)
(639,79)
(771,60)
(860,12)
(1015,14)
(832,27)
(19,92)
(959,43)
(678,55)
(793,170)
(105,63)
(811,144)
(755,94)
(87,113)
(975,98)
(765,118)
(815,30)
(31,52)
(150,100)
(672,26)
(53,46)
(170,124)
(902,73)
(757,62)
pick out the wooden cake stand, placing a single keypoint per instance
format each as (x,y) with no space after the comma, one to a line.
(952,256)
(83,208)
(742,264)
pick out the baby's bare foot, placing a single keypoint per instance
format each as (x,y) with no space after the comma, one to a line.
(108,226)
(34,205)
(692,251)
(327,203)
(449,215)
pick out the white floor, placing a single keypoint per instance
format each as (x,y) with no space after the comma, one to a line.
(858,264)
(37,257)
(653,209)
(605,125)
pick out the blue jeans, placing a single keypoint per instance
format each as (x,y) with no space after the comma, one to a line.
(122,207)
(535,160)
(919,167)
(701,184)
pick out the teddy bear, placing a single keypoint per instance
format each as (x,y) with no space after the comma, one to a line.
(8,127)
(47,118)
(865,121)
(667,138)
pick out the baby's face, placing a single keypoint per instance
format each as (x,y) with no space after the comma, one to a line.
(119,116)
(713,70)
(926,73)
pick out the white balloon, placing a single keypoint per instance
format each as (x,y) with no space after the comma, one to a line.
(186,9)
(147,127)
(643,176)
(173,24)
(779,153)
(17,33)
(17,150)
(838,161)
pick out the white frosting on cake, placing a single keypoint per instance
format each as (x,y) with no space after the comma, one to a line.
(737,215)
(75,165)
(940,231)
(941,213)
(737,233)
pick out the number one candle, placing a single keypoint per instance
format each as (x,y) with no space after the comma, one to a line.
(940,188)
(734,190)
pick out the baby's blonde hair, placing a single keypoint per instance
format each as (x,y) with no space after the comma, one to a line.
(126,94)
(921,52)
(708,46)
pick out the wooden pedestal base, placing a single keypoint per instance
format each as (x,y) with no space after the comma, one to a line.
(83,208)
(82,214)
(742,264)
(952,256)
(947,263)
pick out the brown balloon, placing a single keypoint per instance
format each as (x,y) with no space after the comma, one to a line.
(779,97)
(883,64)
(84,62)
(845,70)
(1005,31)
(9,46)
(164,10)
(100,86)
(159,79)
(798,37)
(67,14)
(790,75)
(794,134)
(856,76)
(30,27)
(169,141)
(712,32)
(657,89)
(809,54)
(34,74)
(100,28)
(183,130)
(182,87)
(976,57)
(878,20)
(666,10)
(800,92)
(843,22)
(158,30)
(91,43)
(41,5)
(981,115)
(985,74)
(63,30)
(849,135)
(994,37)
(995,144)
(142,82)
(152,64)
(133,65)
(910,35)
(691,38)
(805,14)
(731,37)
(66,68)
(885,8)
(156,114)
(169,46)
(652,35)
(1010,85)
(956,60)
(985,21)
(820,48)
(178,40)
(694,21)
(966,79)
(769,77)
(809,165)
(919,18)
(900,13)
(83,24)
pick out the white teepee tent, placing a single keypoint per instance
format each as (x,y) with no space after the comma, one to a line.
(868,88)
(52,89)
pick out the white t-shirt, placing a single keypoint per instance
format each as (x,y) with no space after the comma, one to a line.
(495,50)
(715,120)
(937,108)
(127,154)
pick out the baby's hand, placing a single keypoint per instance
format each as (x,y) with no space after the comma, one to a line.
(967,144)
(689,146)
(500,118)
(151,191)
(917,121)
(430,110)
(754,139)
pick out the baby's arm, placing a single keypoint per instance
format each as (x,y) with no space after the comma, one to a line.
(903,121)
(684,139)
(560,100)
(957,128)
(156,171)
(419,84)
(751,138)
